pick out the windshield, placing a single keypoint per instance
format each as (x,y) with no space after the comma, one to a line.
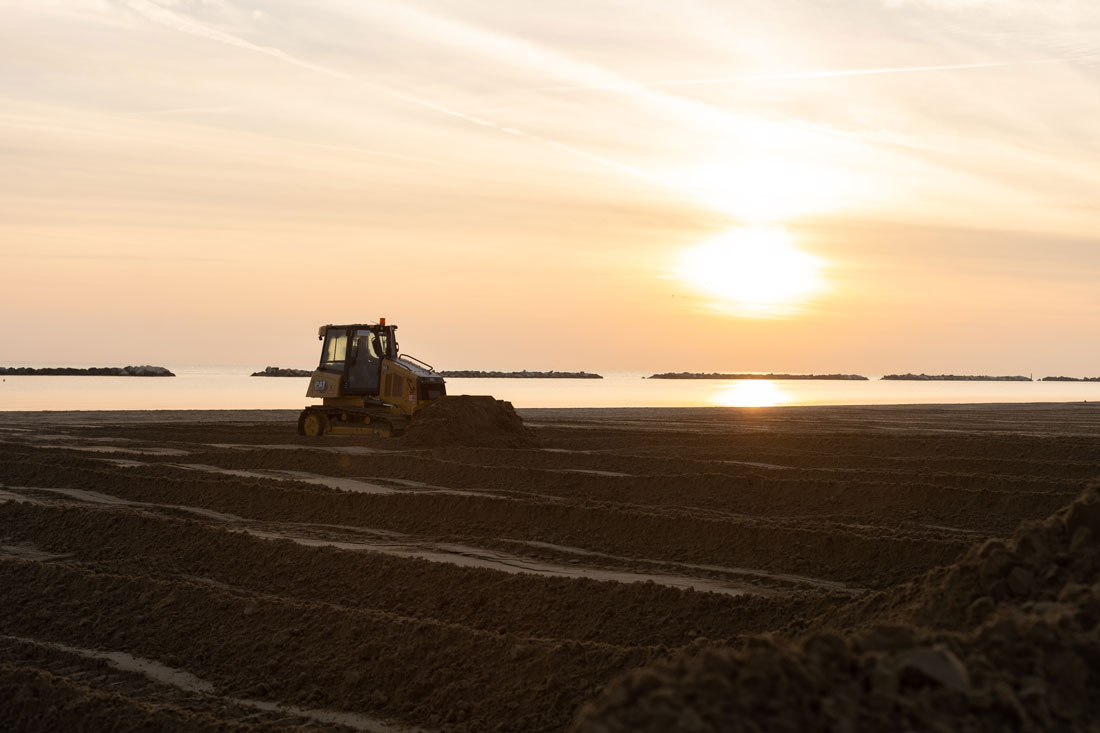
(378,344)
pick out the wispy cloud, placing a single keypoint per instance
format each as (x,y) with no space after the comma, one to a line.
(216,110)
(470,40)
(824,74)
(83,256)
(163,16)
(127,128)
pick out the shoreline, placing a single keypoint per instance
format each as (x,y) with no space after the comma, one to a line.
(616,414)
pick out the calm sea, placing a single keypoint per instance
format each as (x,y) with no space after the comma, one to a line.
(230,387)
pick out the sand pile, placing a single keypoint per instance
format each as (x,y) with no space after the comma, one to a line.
(468,420)
(1045,561)
(1007,638)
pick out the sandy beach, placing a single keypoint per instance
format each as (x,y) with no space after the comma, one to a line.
(624,569)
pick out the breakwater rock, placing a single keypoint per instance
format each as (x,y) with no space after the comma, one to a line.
(474,374)
(282,372)
(954,378)
(126,371)
(718,375)
(1070,379)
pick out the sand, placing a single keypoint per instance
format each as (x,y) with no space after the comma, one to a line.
(789,568)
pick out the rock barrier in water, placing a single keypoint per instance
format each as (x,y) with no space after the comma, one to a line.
(475,374)
(126,371)
(748,375)
(954,378)
(1070,379)
(282,372)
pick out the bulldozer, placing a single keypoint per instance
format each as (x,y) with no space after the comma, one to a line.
(365,385)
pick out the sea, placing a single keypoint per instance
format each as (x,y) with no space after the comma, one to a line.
(209,387)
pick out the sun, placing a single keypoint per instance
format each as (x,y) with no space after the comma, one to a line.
(753,271)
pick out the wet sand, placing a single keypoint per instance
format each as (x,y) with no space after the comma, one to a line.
(193,570)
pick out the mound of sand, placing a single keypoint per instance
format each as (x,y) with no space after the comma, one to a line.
(467,420)
(1006,638)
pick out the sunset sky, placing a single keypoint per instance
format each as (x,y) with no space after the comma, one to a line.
(845,185)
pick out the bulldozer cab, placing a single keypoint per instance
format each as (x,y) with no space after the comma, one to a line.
(369,347)
(356,354)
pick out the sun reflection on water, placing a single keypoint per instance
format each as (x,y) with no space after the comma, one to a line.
(751,393)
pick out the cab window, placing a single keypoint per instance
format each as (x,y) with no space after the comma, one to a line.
(365,345)
(336,349)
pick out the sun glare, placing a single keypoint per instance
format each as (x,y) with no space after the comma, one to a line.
(765,191)
(753,271)
(751,393)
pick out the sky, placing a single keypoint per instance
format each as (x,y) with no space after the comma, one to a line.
(865,186)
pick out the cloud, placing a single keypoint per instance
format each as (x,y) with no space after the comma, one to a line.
(828,73)
(157,14)
(162,16)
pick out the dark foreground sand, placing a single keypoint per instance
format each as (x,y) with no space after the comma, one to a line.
(852,568)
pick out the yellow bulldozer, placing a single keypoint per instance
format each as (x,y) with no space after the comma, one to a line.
(366,387)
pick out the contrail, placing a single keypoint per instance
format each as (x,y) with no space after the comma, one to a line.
(790,75)
(161,16)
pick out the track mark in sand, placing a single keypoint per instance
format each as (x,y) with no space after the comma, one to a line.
(332,482)
(6,496)
(408,482)
(345,528)
(212,583)
(819,583)
(29,552)
(586,471)
(960,530)
(402,545)
(128,663)
(118,449)
(188,682)
(429,488)
(81,495)
(754,464)
(350,450)
(589,471)
(94,497)
(572,450)
(124,462)
(331,717)
(355,485)
(475,557)
(72,442)
(653,426)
